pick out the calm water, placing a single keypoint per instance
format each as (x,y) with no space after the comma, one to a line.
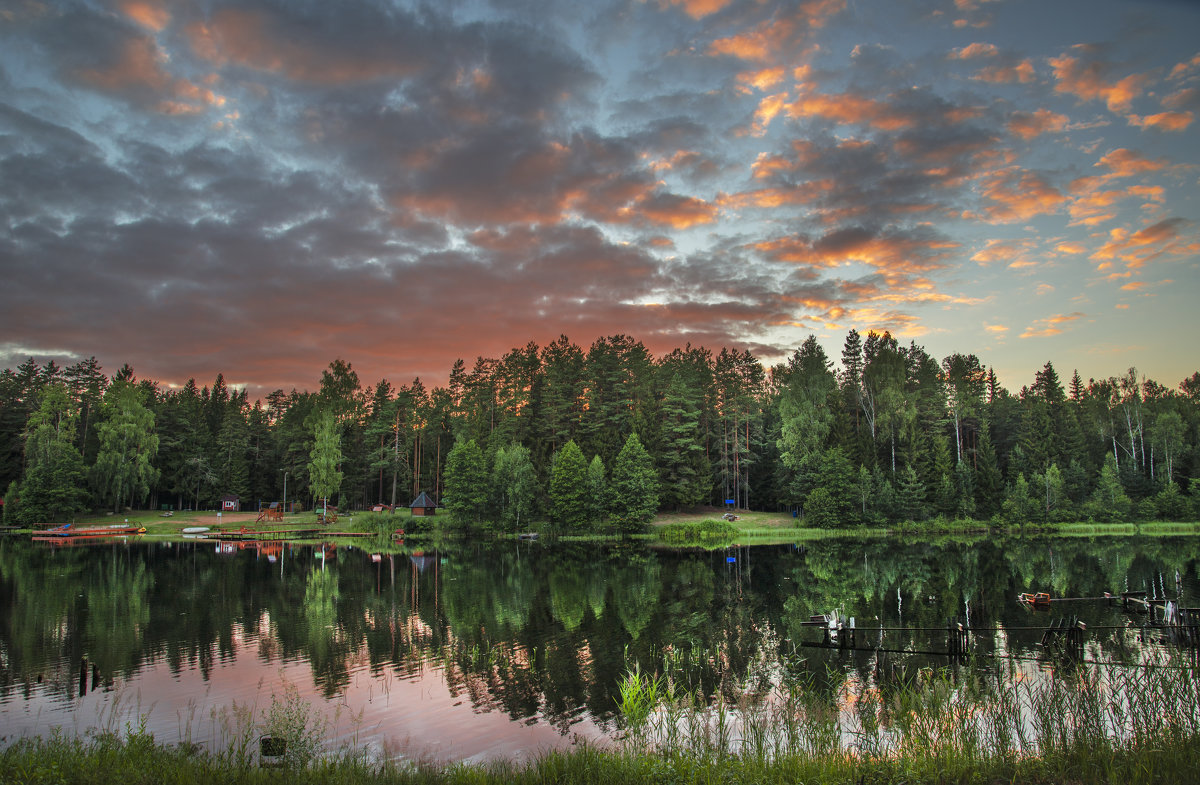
(506,649)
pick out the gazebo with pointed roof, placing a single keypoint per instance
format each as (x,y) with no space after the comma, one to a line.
(423,505)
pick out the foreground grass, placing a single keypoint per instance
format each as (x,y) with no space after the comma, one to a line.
(139,759)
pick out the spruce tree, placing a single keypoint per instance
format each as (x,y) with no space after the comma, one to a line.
(598,489)
(989,485)
(910,495)
(570,498)
(634,487)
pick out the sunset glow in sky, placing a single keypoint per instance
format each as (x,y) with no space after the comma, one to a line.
(258,188)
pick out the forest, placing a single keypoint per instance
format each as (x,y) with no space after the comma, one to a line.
(572,439)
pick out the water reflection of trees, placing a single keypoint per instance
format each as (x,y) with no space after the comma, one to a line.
(531,630)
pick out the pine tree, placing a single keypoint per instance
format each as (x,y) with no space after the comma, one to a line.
(1109,503)
(685,472)
(570,499)
(634,486)
(598,490)
(989,484)
(54,486)
(964,490)
(910,495)
(1019,506)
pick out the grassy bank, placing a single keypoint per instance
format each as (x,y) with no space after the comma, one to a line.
(66,761)
(750,528)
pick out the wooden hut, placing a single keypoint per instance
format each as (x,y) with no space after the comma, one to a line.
(423,505)
(231,502)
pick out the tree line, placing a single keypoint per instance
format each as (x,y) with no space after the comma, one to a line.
(604,437)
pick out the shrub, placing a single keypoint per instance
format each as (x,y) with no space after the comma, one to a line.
(707,533)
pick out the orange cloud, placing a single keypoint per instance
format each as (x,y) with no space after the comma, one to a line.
(773,37)
(1018,195)
(1127,163)
(1010,252)
(1183,69)
(1042,328)
(1145,244)
(1094,207)
(802,193)
(1086,81)
(1155,193)
(763,79)
(759,44)
(1070,248)
(897,256)
(996,329)
(767,110)
(1163,121)
(139,72)
(1028,126)
(678,212)
(147,13)
(974,50)
(847,108)
(766,165)
(1022,73)
(697,9)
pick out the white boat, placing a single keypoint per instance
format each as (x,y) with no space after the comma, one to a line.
(195,530)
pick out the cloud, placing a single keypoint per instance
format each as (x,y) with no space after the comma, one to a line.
(1029,125)
(1124,162)
(780,35)
(1186,68)
(1012,253)
(1135,249)
(1163,121)
(106,54)
(974,50)
(698,9)
(708,170)
(148,13)
(894,252)
(1044,328)
(1087,78)
(1018,195)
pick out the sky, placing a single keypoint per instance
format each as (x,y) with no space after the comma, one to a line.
(258,188)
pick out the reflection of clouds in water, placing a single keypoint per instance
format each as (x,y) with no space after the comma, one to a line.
(498,650)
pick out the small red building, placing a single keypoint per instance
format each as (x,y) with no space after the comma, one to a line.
(231,503)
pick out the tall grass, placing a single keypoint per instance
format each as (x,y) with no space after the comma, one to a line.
(951,720)
(964,725)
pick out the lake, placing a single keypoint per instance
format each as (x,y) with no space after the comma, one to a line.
(505,649)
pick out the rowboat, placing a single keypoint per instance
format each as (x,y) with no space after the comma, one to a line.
(195,530)
(1040,599)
